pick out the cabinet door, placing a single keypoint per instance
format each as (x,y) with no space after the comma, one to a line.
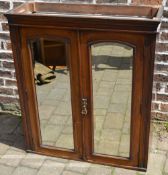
(112,68)
(50,71)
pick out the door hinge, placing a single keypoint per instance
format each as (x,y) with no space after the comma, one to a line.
(84,105)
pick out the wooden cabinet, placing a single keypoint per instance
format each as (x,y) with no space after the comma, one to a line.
(95,105)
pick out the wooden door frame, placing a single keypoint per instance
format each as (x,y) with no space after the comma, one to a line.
(145,43)
(137,42)
(29,85)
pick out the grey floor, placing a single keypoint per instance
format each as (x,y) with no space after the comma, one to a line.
(14,160)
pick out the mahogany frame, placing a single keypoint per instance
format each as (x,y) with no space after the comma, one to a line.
(139,33)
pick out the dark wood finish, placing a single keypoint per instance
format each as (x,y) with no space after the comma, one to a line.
(88,38)
(78,9)
(149,56)
(17,55)
(147,20)
(34,20)
(29,34)
(53,53)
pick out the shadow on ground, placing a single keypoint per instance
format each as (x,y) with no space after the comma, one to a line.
(11,131)
(15,161)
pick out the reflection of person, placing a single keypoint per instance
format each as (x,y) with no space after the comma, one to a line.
(43,74)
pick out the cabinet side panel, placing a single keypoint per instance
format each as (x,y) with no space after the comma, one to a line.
(17,56)
(149,55)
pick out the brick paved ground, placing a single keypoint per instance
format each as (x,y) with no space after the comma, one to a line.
(15,161)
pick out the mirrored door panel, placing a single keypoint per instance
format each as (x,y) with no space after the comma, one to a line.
(112,86)
(52,82)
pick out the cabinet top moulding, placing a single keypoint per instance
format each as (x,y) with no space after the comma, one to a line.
(87,16)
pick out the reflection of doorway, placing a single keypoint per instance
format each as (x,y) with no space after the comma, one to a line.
(50,52)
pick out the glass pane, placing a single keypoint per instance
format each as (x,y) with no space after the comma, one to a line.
(112,85)
(52,80)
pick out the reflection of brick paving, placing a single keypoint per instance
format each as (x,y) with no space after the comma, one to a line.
(112,76)
(55,111)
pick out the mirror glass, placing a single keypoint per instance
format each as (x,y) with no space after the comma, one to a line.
(112,85)
(52,81)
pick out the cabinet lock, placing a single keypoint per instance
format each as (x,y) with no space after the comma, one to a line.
(84,106)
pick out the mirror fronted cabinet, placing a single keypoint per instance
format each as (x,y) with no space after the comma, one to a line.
(85,76)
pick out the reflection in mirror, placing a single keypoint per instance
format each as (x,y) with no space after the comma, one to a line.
(52,80)
(112,85)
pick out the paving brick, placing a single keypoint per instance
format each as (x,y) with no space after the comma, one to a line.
(120,97)
(70,173)
(101,101)
(104,91)
(8,124)
(108,76)
(20,142)
(12,158)
(117,108)
(98,122)
(119,171)
(125,144)
(50,167)
(45,111)
(114,121)
(107,147)
(80,167)
(121,88)
(33,160)
(140,173)
(68,130)
(58,119)
(24,171)
(65,141)
(6,170)
(56,159)
(3,148)
(99,170)
(166,166)
(63,108)
(156,164)
(163,143)
(100,112)
(51,133)
(111,134)
(106,84)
